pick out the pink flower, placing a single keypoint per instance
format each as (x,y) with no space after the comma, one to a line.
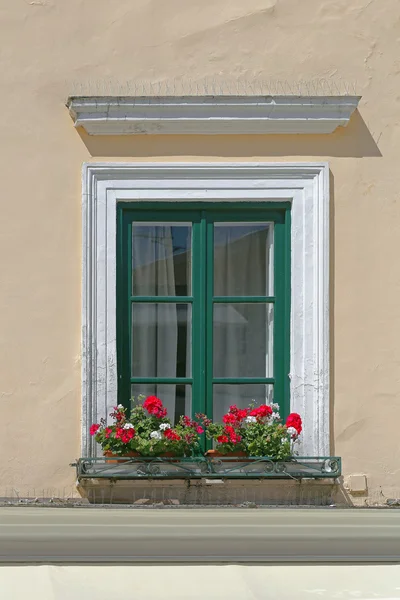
(199,430)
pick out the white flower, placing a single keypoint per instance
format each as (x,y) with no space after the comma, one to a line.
(292,431)
(250,420)
(128,426)
(120,406)
(283,441)
(275,416)
(155,435)
(275,406)
(165,426)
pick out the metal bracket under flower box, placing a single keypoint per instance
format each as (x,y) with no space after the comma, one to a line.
(200,467)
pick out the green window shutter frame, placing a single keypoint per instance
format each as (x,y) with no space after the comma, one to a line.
(203,216)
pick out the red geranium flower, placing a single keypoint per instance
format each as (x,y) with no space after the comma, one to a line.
(262,411)
(241,414)
(229,418)
(294,420)
(154,406)
(118,433)
(222,439)
(125,435)
(234,438)
(172,435)
(94,429)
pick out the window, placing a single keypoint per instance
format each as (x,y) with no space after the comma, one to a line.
(203,304)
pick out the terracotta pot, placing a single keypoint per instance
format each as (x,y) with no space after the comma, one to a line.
(109,453)
(234,454)
(169,454)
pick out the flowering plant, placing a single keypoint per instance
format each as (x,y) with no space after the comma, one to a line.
(118,437)
(148,431)
(257,431)
(228,435)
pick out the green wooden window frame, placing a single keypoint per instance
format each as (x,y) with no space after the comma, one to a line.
(202,216)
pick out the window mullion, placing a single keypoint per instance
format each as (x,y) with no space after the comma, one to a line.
(209,290)
(198,325)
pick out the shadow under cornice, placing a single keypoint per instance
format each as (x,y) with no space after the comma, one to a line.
(355,140)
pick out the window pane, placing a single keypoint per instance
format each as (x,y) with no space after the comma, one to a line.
(243,259)
(161,339)
(161,259)
(177,399)
(243,340)
(224,395)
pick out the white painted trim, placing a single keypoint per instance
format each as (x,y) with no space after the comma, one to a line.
(211,114)
(305,185)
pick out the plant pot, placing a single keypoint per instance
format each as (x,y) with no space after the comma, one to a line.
(169,454)
(232,455)
(110,454)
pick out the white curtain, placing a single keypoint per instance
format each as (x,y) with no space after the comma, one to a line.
(242,332)
(161,332)
(156,326)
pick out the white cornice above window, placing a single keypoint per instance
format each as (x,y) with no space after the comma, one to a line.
(211,114)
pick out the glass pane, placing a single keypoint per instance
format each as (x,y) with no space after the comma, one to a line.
(177,399)
(224,395)
(243,259)
(161,259)
(161,339)
(243,338)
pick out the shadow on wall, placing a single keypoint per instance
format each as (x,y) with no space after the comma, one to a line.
(355,140)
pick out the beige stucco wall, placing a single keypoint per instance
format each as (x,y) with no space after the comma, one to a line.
(51,49)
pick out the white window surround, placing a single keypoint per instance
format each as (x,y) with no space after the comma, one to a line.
(305,185)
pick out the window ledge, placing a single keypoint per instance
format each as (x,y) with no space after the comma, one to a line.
(211,114)
(216,482)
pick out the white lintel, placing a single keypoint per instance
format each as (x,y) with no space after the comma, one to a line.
(130,115)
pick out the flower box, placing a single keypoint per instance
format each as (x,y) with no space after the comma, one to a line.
(260,468)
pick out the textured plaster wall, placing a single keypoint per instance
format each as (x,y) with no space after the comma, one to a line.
(52,48)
